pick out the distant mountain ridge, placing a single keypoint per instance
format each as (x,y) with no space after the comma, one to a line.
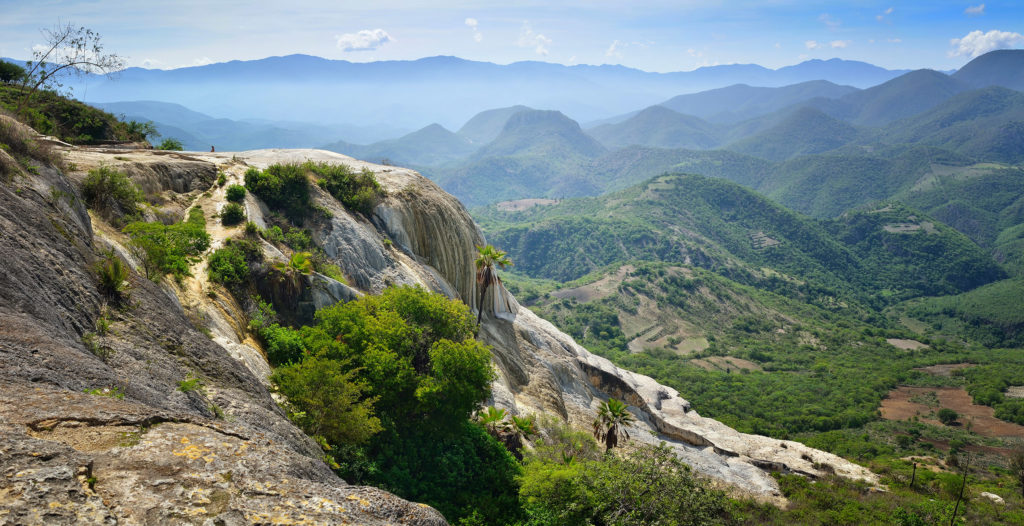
(446,90)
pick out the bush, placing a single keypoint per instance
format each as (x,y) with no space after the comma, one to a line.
(330,400)
(111,192)
(235,193)
(649,486)
(284,187)
(113,275)
(357,191)
(165,249)
(232,214)
(228,266)
(171,144)
(947,416)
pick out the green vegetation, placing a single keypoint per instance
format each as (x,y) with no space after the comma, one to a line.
(190,383)
(947,416)
(11,73)
(648,486)
(284,187)
(486,273)
(610,424)
(69,120)
(357,191)
(232,214)
(111,193)
(170,144)
(228,265)
(235,193)
(401,367)
(113,275)
(109,392)
(988,315)
(166,249)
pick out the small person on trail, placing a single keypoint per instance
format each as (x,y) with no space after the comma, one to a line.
(211,149)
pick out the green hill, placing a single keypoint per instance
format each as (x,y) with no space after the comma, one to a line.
(541,133)
(1004,67)
(485,126)
(741,102)
(901,97)
(659,127)
(431,145)
(987,124)
(802,131)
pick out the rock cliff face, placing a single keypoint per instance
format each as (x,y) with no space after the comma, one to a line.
(105,427)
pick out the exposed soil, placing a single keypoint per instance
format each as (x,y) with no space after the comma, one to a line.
(897,406)
(906,344)
(524,204)
(725,363)
(944,369)
(601,288)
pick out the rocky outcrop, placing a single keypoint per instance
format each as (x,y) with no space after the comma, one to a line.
(540,369)
(143,418)
(112,428)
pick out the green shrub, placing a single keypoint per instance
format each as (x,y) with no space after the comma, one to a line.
(228,266)
(251,229)
(190,383)
(221,178)
(111,192)
(947,416)
(330,398)
(235,193)
(113,275)
(284,187)
(11,73)
(301,262)
(232,214)
(648,486)
(171,144)
(165,249)
(357,191)
(282,344)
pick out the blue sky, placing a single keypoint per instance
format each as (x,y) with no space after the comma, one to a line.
(656,35)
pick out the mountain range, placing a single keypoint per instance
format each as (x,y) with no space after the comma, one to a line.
(446,90)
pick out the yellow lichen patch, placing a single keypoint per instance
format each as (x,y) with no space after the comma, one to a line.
(192,451)
(55,504)
(196,511)
(362,502)
(184,440)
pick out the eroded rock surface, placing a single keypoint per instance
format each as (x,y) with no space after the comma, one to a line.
(110,428)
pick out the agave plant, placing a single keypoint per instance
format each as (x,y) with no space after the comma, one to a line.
(486,274)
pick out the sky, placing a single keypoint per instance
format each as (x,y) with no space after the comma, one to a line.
(657,35)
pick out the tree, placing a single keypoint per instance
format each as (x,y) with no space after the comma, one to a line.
(486,274)
(11,73)
(67,50)
(171,144)
(329,398)
(947,416)
(612,419)
(1017,467)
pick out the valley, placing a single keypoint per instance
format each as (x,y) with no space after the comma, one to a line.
(454,291)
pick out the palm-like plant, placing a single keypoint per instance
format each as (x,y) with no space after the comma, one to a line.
(612,419)
(486,274)
(493,419)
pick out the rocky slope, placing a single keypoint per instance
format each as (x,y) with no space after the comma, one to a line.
(100,428)
(152,451)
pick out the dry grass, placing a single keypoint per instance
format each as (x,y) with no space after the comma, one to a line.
(20,146)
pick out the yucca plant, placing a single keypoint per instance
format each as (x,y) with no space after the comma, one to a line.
(113,275)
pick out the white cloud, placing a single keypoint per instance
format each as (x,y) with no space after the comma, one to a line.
(202,61)
(614,50)
(840,43)
(894,40)
(977,43)
(152,63)
(539,42)
(472,23)
(881,17)
(975,10)
(811,44)
(829,21)
(365,40)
